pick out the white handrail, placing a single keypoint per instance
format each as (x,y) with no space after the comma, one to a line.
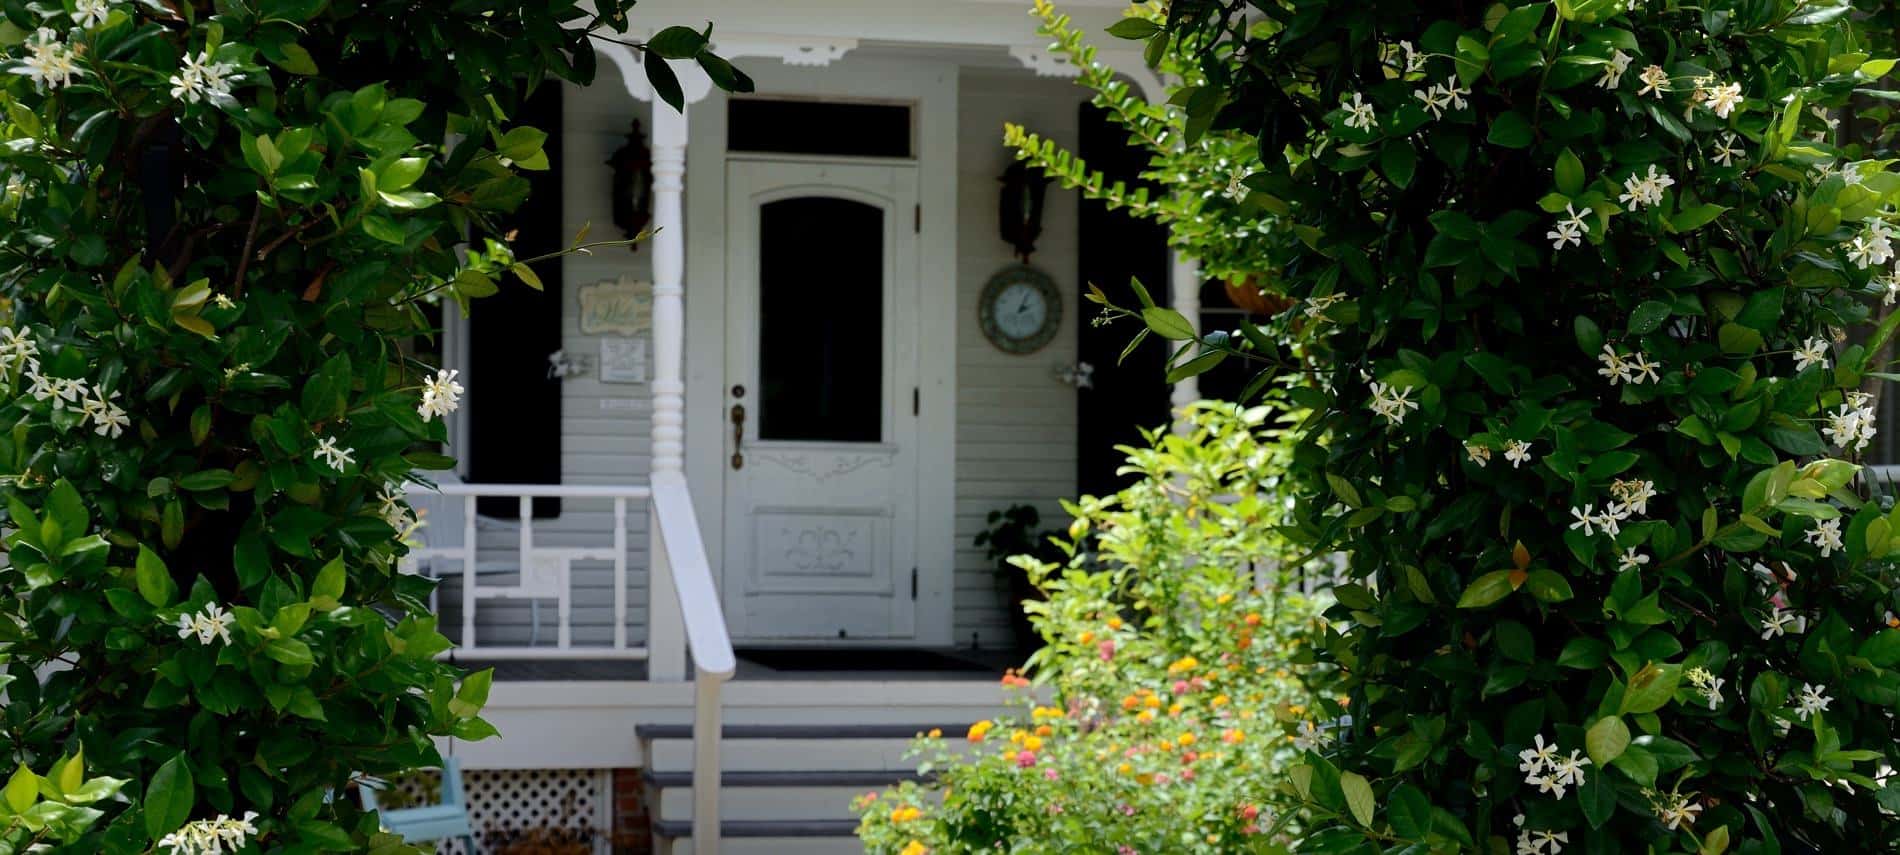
(706,639)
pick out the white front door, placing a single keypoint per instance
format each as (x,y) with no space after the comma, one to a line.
(821,430)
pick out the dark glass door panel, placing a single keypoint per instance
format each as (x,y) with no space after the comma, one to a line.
(821,320)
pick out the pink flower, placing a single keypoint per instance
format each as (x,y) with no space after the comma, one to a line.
(1051,773)
(1161,777)
(1250,828)
(1125,849)
(1187,774)
(1250,812)
(1106,650)
(1128,810)
(1026,759)
(1180,687)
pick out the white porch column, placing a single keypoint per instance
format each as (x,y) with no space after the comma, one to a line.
(666,628)
(1184,288)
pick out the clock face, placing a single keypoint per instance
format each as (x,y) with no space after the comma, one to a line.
(1020,309)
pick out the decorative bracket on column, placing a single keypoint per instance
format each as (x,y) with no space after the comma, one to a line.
(633,74)
(1048,63)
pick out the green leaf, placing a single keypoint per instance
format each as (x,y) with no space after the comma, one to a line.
(154,578)
(1399,162)
(472,694)
(1358,796)
(169,797)
(1569,173)
(1651,688)
(1606,739)
(677,42)
(1548,586)
(1168,323)
(327,590)
(1690,219)
(1133,28)
(665,83)
(22,789)
(1486,589)
(1648,317)
(1409,811)
(1599,799)
(1510,130)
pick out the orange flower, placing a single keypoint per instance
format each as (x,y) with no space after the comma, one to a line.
(980,730)
(1129,702)
(936,733)
(905,813)
(1233,735)
(1253,620)
(1114,623)
(1085,637)
(1044,730)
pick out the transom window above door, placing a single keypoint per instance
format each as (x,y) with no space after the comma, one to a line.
(835,128)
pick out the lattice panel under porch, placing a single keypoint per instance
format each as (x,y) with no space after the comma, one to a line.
(516,800)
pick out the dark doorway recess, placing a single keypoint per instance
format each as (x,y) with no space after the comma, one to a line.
(1115,246)
(514,406)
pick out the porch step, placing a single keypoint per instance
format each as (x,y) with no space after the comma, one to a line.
(792,784)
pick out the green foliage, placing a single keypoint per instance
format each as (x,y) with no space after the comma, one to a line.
(218,228)
(1175,666)
(1195,180)
(1621,581)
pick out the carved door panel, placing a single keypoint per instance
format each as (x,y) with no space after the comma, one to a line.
(821,435)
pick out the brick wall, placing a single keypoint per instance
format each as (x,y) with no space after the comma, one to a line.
(632,833)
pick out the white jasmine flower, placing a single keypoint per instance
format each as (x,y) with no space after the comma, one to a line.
(441,395)
(1675,810)
(328,452)
(1812,352)
(1534,760)
(1642,369)
(1391,403)
(1614,368)
(1478,454)
(1813,700)
(201,79)
(16,348)
(91,13)
(1781,621)
(109,418)
(1708,684)
(1548,784)
(1631,560)
(49,63)
(1634,493)
(1316,306)
(1614,70)
(1655,80)
(1610,520)
(1236,189)
(213,623)
(1413,60)
(1556,839)
(1826,535)
(1889,285)
(222,301)
(1569,770)
(1359,115)
(1518,452)
(211,836)
(1455,94)
(1722,100)
(1644,191)
(1310,737)
(1435,100)
(1565,231)
(1852,427)
(1727,150)
(1586,518)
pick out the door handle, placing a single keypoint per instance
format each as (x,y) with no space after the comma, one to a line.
(738,429)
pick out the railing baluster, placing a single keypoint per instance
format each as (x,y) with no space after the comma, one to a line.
(620,572)
(468,573)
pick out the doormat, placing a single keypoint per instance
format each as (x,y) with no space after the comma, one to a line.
(864,659)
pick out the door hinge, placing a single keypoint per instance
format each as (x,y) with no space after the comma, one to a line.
(917,226)
(916,401)
(913,583)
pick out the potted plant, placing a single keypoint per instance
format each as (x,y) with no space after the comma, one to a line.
(1016,531)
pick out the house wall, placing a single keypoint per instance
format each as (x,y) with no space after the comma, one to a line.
(1015,427)
(1015,422)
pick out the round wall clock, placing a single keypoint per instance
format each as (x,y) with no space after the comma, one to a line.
(1020,309)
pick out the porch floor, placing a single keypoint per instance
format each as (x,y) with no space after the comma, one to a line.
(866,664)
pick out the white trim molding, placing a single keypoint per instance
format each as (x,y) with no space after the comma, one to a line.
(808,51)
(1045,62)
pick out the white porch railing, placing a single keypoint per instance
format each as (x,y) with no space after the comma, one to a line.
(684,617)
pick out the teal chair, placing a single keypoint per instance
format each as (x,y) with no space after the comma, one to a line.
(446,820)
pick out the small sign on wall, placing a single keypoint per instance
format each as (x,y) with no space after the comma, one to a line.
(621,306)
(623,360)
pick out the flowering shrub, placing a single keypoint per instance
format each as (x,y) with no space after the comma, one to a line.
(1575,280)
(216,233)
(1170,693)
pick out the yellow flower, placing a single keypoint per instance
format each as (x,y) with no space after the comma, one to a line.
(1151,702)
(1125,768)
(1114,623)
(936,733)
(1185,739)
(1219,700)
(1086,637)
(1033,743)
(1146,716)
(1174,709)
(905,814)
(1185,663)
(980,730)
(915,848)
(1224,599)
